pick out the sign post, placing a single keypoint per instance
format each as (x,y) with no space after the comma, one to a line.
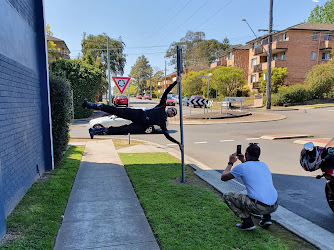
(179,72)
(121,82)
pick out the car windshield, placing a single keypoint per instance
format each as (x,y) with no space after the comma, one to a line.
(169,96)
(122,96)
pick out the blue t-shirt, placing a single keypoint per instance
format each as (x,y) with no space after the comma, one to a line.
(258,181)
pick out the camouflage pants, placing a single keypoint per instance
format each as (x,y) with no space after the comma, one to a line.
(243,206)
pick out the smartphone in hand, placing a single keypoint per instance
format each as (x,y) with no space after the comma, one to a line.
(238,150)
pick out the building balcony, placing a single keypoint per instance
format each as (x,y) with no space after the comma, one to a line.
(219,63)
(257,68)
(326,45)
(275,64)
(258,50)
(255,85)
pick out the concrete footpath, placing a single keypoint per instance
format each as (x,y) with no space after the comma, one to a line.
(103,211)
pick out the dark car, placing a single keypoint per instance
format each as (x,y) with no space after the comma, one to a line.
(121,100)
(196,97)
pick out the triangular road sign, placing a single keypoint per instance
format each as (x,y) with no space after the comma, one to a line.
(121,82)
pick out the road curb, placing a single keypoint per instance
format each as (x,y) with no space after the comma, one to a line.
(278,137)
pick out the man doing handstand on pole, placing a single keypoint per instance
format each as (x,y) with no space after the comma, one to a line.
(141,119)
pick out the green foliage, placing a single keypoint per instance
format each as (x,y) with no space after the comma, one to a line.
(192,84)
(277,79)
(140,73)
(293,94)
(37,218)
(321,80)
(322,14)
(85,81)
(60,95)
(197,52)
(227,80)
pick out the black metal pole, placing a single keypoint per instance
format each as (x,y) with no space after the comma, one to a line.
(179,72)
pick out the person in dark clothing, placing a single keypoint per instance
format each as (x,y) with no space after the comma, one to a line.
(141,119)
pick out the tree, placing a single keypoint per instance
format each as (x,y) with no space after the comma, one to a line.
(192,84)
(278,76)
(227,80)
(197,52)
(322,14)
(53,52)
(140,72)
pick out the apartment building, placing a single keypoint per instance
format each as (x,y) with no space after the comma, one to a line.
(298,48)
(237,56)
(61,45)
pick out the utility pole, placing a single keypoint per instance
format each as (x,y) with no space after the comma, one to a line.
(165,76)
(150,83)
(270,38)
(108,59)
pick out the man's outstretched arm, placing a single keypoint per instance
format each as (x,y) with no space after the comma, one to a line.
(164,96)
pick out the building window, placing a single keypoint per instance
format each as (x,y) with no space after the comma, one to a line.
(264,41)
(315,36)
(328,37)
(284,36)
(274,57)
(253,78)
(325,56)
(230,55)
(283,56)
(254,46)
(276,38)
(254,61)
(313,55)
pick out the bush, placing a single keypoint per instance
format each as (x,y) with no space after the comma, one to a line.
(321,80)
(85,81)
(60,96)
(293,94)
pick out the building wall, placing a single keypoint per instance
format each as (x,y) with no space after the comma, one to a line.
(26,142)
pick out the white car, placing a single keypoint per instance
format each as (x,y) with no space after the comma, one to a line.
(114,121)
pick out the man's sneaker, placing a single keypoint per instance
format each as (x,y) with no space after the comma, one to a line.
(265,223)
(91,133)
(84,104)
(247,224)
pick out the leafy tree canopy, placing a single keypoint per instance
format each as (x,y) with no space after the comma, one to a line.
(198,53)
(53,52)
(140,73)
(277,79)
(94,49)
(322,14)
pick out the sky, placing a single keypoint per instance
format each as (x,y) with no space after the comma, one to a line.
(148,27)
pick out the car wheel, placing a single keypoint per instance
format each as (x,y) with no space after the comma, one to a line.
(149,130)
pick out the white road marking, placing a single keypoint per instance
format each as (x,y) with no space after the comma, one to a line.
(249,139)
(172,144)
(200,142)
(226,140)
(331,110)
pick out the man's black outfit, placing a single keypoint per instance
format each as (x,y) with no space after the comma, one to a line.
(142,119)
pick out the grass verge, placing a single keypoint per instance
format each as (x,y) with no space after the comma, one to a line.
(191,215)
(36,219)
(123,143)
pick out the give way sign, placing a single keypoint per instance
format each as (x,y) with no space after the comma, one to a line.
(121,82)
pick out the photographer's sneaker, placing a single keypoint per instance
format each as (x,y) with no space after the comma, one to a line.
(247,224)
(91,133)
(265,223)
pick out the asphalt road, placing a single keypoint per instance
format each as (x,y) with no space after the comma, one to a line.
(298,190)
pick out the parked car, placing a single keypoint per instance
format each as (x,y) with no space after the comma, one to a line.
(185,101)
(121,100)
(139,97)
(147,97)
(196,97)
(176,98)
(170,101)
(114,121)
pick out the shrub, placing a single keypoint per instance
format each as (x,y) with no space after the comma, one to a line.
(60,96)
(321,80)
(85,81)
(293,94)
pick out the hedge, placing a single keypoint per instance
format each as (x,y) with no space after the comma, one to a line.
(85,81)
(60,95)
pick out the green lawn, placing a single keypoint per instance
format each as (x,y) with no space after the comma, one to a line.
(190,216)
(36,219)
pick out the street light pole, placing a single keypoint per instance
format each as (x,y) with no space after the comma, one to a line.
(270,38)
